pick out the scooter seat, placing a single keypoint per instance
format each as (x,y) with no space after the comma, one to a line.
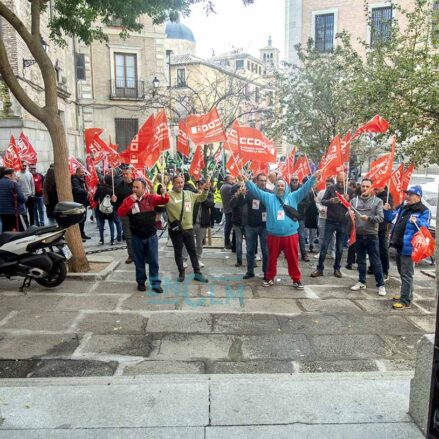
(6,237)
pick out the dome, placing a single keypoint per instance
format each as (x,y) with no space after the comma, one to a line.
(178,31)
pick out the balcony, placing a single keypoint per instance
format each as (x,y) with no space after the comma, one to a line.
(127,89)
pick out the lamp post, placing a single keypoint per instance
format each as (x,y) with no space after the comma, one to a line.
(155,85)
(30,62)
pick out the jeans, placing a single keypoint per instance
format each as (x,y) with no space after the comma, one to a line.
(39,210)
(340,232)
(227,228)
(239,233)
(302,238)
(251,238)
(406,270)
(127,233)
(101,224)
(312,233)
(118,224)
(186,238)
(30,203)
(146,250)
(200,236)
(369,244)
(331,248)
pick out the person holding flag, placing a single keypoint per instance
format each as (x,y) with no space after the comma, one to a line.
(335,222)
(368,211)
(407,220)
(282,226)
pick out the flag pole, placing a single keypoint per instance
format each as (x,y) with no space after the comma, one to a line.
(112,178)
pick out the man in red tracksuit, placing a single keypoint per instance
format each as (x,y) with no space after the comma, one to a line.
(139,207)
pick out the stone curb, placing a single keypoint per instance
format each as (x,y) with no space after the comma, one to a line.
(101,275)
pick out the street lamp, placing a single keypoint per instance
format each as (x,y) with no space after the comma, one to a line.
(31,62)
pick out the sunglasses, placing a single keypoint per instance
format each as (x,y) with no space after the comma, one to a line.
(295,179)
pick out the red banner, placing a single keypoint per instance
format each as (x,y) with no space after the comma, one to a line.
(285,169)
(183,139)
(258,168)
(98,149)
(345,148)
(26,150)
(234,165)
(381,169)
(330,162)
(12,157)
(395,185)
(140,142)
(253,145)
(197,164)
(74,164)
(205,128)
(407,177)
(376,125)
(232,138)
(353,235)
(91,179)
(302,168)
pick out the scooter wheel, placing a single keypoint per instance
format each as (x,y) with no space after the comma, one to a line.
(56,276)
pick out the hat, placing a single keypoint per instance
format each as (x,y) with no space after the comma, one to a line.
(414,190)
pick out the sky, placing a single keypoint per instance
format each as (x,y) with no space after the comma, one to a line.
(237,26)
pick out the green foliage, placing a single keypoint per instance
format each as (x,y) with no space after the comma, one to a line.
(333,92)
(83,18)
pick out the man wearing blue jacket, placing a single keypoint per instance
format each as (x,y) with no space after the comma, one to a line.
(282,231)
(410,216)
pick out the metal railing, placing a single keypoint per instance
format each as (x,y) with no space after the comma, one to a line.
(126,89)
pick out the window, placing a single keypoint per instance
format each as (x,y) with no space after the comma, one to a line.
(239,64)
(324,32)
(259,69)
(126,129)
(80,66)
(381,25)
(181,78)
(125,70)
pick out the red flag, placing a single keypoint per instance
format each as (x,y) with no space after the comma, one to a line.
(253,145)
(27,151)
(98,149)
(218,155)
(343,200)
(113,155)
(330,162)
(139,174)
(205,128)
(345,148)
(423,244)
(197,164)
(91,179)
(353,235)
(232,137)
(376,125)
(12,157)
(74,164)
(285,169)
(381,169)
(302,168)
(234,165)
(183,139)
(138,145)
(258,168)
(395,185)
(406,177)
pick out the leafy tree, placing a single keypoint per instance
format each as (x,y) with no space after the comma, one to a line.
(332,92)
(82,19)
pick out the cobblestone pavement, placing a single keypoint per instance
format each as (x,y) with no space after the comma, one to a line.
(87,328)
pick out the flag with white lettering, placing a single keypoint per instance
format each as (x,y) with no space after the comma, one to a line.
(12,157)
(253,145)
(183,139)
(197,164)
(205,128)
(27,151)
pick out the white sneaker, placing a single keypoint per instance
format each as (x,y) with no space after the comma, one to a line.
(258,258)
(358,286)
(184,264)
(382,291)
(200,263)
(316,256)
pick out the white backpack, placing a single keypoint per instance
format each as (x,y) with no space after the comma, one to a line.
(105,205)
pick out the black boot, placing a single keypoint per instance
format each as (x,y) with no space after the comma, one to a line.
(181,276)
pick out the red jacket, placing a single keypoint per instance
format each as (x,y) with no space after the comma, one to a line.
(141,213)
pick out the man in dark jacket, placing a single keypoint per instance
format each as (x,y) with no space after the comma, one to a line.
(122,190)
(383,233)
(408,218)
(335,222)
(139,207)
(12,199)
(238,204)
(80,195)
(202,216)
(256,227)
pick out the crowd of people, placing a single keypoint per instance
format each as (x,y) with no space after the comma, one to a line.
(266,212)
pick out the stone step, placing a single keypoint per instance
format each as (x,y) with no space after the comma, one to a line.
(310,406)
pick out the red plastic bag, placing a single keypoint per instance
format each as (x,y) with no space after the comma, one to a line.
(423,245)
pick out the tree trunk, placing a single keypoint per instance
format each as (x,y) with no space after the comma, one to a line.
(79,261)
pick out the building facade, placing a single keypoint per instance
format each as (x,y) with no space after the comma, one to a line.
(321,20)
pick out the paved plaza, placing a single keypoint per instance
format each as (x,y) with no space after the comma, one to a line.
(106,327)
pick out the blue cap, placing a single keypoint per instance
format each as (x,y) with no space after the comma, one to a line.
(415,190)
